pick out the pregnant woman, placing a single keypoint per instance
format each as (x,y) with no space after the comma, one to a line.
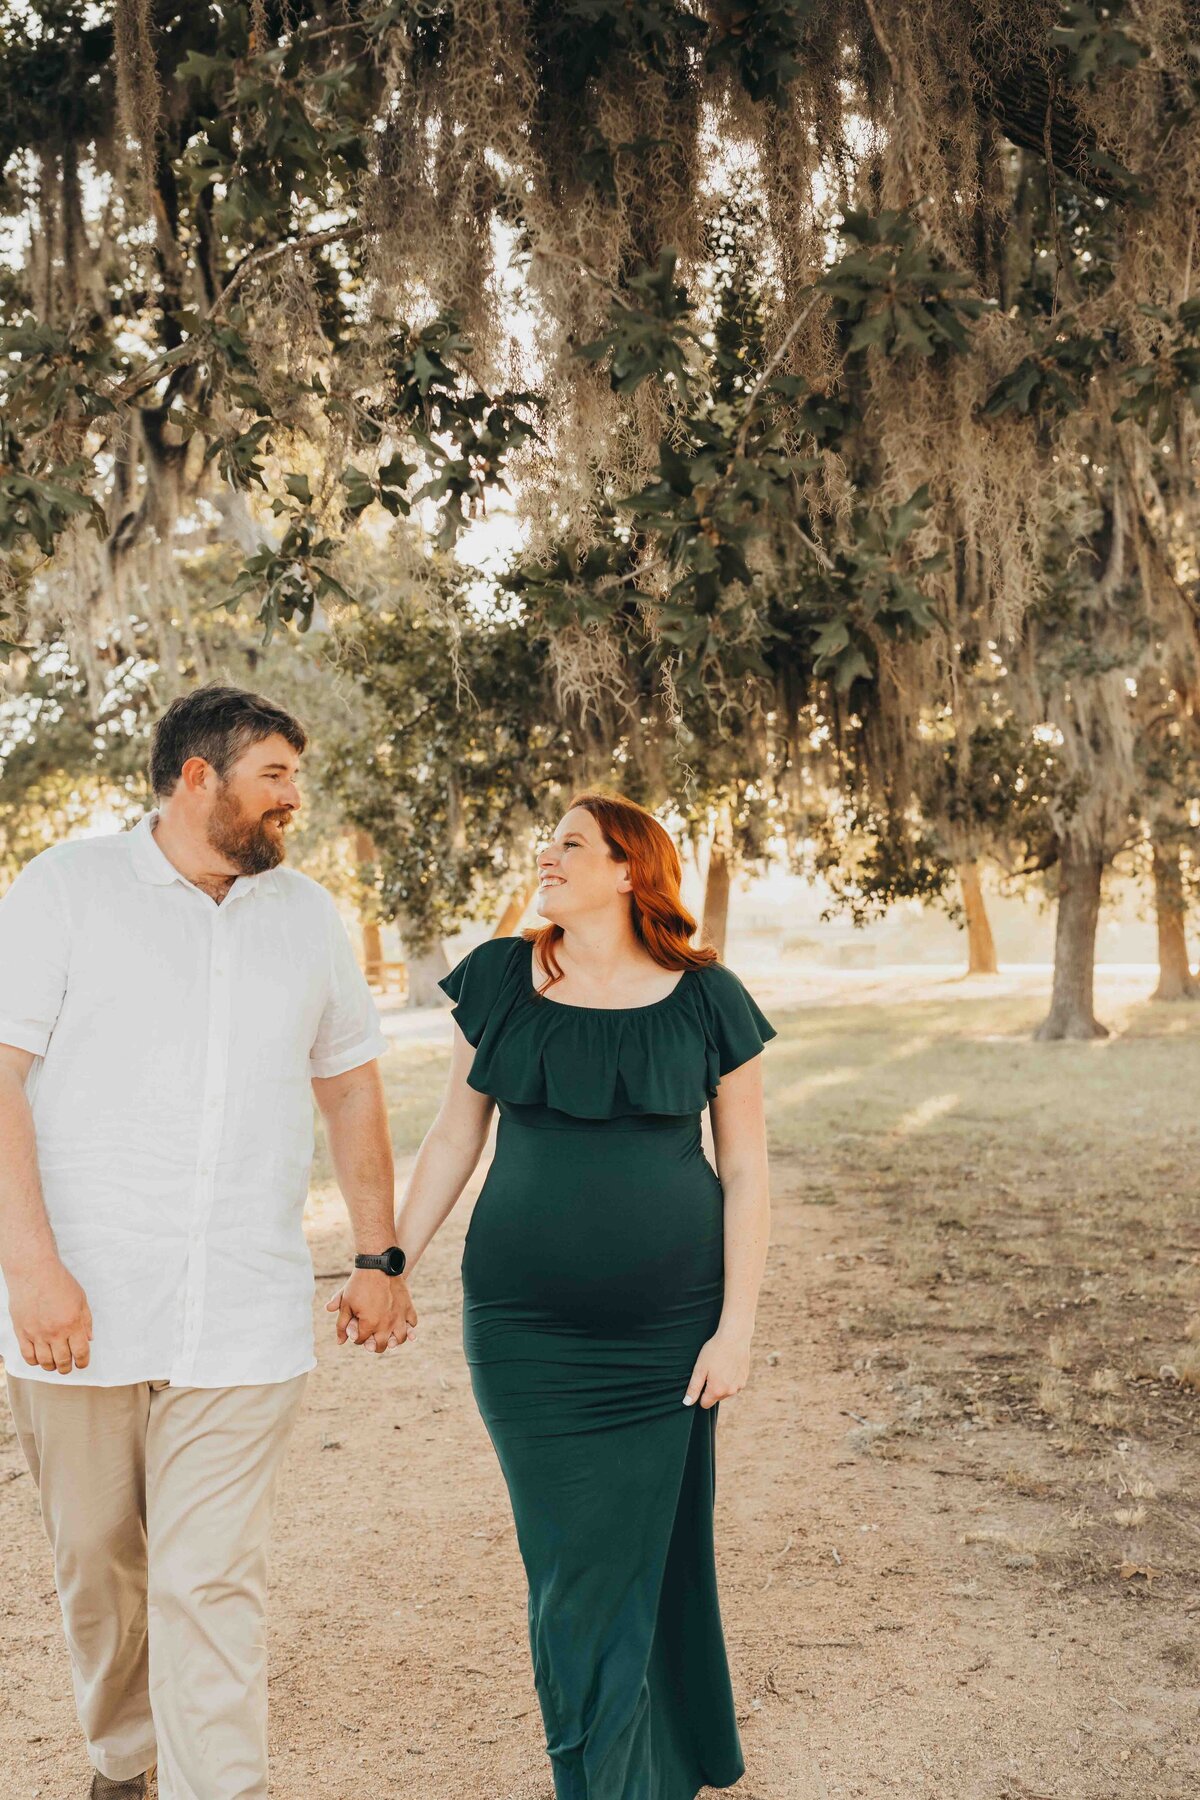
(610,1278)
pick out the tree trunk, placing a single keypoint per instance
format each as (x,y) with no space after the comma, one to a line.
(716,896)
(372,934)
(510,918)
(1175,978)
(425,969)
(1071,1012)
(981,948)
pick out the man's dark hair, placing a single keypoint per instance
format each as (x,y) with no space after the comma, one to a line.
(219,724)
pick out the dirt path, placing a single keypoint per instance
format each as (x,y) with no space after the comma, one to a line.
(903,1611)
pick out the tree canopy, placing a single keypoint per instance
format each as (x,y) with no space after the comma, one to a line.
(839,363)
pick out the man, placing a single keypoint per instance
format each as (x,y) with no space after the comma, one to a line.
(166,997)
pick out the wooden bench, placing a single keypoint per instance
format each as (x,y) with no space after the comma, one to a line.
(386,975)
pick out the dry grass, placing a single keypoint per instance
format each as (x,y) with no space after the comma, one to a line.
(1033,1257)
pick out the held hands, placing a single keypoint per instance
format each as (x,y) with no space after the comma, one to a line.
(51,1316)
(374,1311)
(722,1370)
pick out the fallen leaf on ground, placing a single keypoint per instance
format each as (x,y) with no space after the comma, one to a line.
(1130,1570)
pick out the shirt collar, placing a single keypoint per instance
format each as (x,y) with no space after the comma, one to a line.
(151,865)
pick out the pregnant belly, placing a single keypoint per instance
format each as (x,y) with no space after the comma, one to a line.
(609,1233)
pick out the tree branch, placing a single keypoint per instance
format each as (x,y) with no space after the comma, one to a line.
(257,259)
(773,363)
(152,371)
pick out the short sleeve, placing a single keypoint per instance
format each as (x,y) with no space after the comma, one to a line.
(739,1027)
(349,1033)
(474,984)
(35,951)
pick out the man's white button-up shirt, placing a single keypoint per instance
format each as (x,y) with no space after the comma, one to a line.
(171,1101)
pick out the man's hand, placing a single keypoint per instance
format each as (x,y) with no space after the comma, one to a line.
(51,1317)
(374,1310)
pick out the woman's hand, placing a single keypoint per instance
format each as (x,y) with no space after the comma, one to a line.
(722,1370)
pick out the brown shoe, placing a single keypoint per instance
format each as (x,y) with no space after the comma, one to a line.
(135,1788)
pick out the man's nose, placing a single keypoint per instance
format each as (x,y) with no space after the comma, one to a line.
(292,797)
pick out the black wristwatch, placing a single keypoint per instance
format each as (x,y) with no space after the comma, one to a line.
(392,1262)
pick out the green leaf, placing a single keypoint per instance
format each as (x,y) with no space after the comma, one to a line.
(851,665)
(871,330)
(675,470)
(195,66)
(831,639)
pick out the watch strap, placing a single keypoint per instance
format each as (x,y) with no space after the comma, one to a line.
(384,1262)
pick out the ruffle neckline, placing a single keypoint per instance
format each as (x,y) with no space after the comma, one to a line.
(664,1058)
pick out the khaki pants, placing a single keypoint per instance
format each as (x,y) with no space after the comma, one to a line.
(157,1504)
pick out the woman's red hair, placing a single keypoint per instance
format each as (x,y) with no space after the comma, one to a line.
(660,919)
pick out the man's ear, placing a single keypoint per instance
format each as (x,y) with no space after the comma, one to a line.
(196,774)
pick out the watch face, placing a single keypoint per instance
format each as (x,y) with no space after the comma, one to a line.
(394,1260)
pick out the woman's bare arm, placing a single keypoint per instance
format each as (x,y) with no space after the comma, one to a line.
(449,1152)
(444,1164)
(740,1142)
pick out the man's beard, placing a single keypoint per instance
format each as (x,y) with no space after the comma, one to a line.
(245,842)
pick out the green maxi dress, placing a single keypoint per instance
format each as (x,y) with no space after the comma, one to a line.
(592,1275)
